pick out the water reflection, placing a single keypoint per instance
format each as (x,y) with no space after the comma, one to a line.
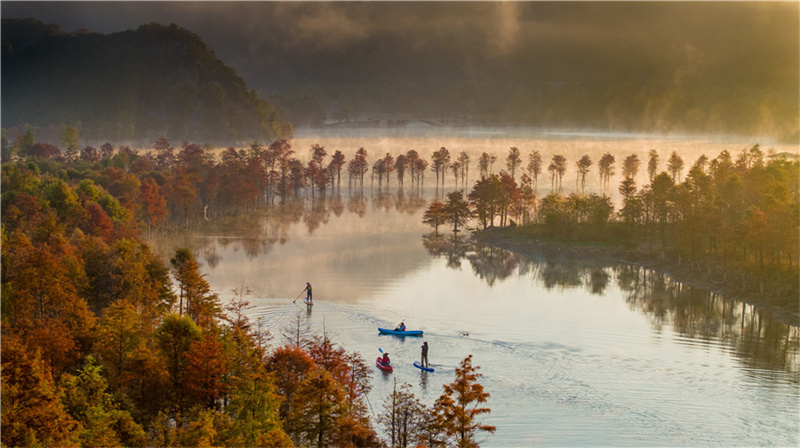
(423,380)
(755,336)
(758,338)
(317,215)
(452,248)
(257,231)
(357,205)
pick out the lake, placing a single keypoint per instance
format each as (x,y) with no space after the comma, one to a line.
(573,352)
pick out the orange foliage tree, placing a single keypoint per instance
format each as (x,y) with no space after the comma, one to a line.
(32,412)
(351,373)
(319,404)
(457,411)
(46,309)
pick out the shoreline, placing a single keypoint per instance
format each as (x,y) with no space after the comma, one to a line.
(506,238)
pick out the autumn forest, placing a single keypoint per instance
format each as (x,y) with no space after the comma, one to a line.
(106,344)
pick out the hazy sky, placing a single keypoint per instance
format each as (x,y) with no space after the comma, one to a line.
(276,44)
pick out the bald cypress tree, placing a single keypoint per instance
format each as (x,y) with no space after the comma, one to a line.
(458,410)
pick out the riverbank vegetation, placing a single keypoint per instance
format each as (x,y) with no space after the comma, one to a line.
(732,221)
(106,344)
(166,188)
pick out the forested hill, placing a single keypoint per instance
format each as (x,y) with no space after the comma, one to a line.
(135,85)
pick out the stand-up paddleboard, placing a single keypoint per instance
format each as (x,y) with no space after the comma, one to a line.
(419,366)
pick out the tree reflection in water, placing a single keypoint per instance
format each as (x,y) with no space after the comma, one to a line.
(562,275)
(357,205)
(336,205)
(383,201)
(410,204)
(452,248)
(492,264)
(317,215)
(256,232)
(758,338)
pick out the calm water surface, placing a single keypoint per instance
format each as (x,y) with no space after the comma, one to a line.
(573,352)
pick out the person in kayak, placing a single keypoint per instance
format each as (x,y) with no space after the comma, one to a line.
(424,360)
(308,293)
(385,360)
(401,327)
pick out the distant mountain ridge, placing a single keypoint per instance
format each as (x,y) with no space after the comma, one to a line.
(136,85)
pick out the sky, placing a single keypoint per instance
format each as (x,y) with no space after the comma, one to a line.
(256,38)
(656,53)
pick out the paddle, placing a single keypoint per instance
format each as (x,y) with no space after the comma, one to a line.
(298,296)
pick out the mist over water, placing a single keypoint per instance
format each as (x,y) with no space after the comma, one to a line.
(569,143)
(573,352)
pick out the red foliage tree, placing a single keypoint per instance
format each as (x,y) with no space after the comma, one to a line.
(97,221)
(289,365)
(205,377)
(153,210)
(45,151)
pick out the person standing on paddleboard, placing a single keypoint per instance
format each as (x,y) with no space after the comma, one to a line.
(424,360)
(308,293)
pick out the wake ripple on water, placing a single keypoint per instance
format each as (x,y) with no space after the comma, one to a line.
(604,387)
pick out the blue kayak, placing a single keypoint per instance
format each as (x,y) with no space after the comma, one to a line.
(400,333)
(419,366)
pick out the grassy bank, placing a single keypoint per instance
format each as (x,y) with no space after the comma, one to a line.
(783,299)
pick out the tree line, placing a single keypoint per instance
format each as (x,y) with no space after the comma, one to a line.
(106,344)
(732,217)
(167,187)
